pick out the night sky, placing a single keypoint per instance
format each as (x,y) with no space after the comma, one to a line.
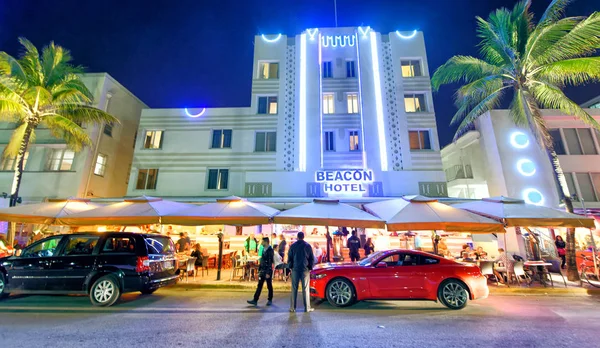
(199,53)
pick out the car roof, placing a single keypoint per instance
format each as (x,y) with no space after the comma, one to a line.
(128,234)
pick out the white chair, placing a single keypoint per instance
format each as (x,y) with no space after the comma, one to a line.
(519,273)
(190,267)
(487,269)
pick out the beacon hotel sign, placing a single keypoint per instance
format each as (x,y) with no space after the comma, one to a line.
(345,182)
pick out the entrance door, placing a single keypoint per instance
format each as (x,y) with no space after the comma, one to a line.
(70,268)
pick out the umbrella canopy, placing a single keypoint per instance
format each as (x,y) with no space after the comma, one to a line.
(515,212)
(47,212)
(136,211)
(328,213)
(225,211)
(424,213)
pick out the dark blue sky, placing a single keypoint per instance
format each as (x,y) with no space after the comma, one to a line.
(199,53)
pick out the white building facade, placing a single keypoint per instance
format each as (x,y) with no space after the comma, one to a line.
(334,112)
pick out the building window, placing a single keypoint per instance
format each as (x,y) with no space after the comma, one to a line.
(329,141)
(354,140)
(328,104)
(153,140)
(411,68)
(414,103)
(350,68)
(419,140)
(265,142)
(352,99)
(557,142)
(218,179)
(570,183)
(147,179)
(108,129)
(595,106)
(10,163)
(100,167)
(580,141)
(586,188)
(221,139)
(327,71)
(268,70)
(267,105)
(60,159)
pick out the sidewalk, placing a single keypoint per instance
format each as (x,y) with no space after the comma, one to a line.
(208,281)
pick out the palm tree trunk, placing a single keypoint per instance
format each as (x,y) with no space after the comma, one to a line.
(14,195)
(564,194)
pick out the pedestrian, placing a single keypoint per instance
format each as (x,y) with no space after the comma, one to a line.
(281,246)
(329,246)
(561,249)
(353,244)
(251,244)
(369,247)
(301,261)
(182,243)
(265,273)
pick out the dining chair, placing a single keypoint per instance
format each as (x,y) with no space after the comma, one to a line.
(237,266)
(554,269)
(190,267)
(487,269)
(204,266)
(519,273)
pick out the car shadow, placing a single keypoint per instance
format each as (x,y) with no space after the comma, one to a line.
(402,306)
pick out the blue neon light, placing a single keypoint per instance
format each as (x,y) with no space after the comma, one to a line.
(265,39)
(378,102)
(526,167)
(407,37)
(311,35)
(302,106)
(533,196)
(196,115)
(338,40)
(519,140)
(364,32)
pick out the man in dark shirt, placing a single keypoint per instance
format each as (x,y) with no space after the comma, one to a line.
(281,246)
(301,261)
(182,243)
(353,244)
(265,273)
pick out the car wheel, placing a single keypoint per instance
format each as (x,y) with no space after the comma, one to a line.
(340,293)
(453,294)
(3,292)
(148,291)
(105,291)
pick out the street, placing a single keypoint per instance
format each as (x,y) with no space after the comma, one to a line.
(220,318)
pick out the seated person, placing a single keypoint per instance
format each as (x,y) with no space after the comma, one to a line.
(505,263)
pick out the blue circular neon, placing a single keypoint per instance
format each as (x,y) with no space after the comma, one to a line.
(195,115)
(526,167)
(271,40)
(533,196)
(406,37)
(519,140)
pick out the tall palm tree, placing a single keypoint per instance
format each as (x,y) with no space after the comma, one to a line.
(532,62)
(44,90)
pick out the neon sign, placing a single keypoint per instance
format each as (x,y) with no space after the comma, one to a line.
(407,37)
(338,40)
(364,32)
(519,140)
(344,181)
(196,115)
(265,39)
(311,34)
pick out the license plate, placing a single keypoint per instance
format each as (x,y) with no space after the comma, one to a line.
(169,264)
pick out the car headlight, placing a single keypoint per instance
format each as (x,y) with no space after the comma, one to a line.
(318,276)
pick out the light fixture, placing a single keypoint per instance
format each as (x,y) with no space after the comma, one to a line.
(526,167)
(407,37)
(187,112)
(533,196)
(378,102)
(311,34)
(364,32)
(302,107)
(519,140)
(265,39)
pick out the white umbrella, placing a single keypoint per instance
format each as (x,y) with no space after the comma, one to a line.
(46,212)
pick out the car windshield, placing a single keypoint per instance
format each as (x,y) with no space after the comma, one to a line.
(371,258)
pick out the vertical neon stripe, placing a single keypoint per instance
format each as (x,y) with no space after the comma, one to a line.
(360,104)
(302,107)
(378,102)
(321,99)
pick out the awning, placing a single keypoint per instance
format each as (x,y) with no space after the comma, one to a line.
(46,212)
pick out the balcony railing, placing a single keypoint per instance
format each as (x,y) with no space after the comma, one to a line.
(459,172)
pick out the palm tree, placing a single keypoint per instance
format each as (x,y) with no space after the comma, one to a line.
(533,63)
(44,90)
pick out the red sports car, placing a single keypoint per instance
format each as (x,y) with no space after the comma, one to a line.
(399,275)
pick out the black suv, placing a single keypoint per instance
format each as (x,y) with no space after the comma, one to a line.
(103,265)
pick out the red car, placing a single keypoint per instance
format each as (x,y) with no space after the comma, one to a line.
(399,275)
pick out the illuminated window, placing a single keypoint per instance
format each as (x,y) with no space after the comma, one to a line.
(60,159)
(354,140)
(153,140)
(221,139)
(100,166)
(265,142)
(329,141)
(218,179)
(328,104)
(147,179)
(419,140)
(350,68)
(267,105)
(268,70)
(352,99)
(414,103)
(411,68)
(327,71)
(10,163)
(108,129)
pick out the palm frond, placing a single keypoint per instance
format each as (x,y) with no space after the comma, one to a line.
(30,61)
(496,36)
(64,128)
(473,93)
(522,21)
(573,72)
(10,109)
(554,11)
(487,104)
(10,66)
(462,68)
(72,90)
(15,142)
(517,108)
(83,113)
(544,38)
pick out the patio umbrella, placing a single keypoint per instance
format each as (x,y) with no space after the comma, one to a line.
(424,213)
(46,213)
(135,211)
(322,212)
(515,212)
(225,211)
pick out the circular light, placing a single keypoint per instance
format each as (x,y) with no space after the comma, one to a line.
(526,167)
(533,196)
(406,37)
(519,140)
(196,115)
(265,39)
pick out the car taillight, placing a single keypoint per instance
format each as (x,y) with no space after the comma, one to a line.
(143,264)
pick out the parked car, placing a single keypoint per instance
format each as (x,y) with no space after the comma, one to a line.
(101,265)
(399,275)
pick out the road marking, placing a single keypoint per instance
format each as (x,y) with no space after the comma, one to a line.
(142,309)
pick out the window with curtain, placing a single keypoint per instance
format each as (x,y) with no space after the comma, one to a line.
(414,103)
(153,140)
(354,140)
(352,99)
(221,139)
(328,104)
(268,70)
(60,159)
(411,68)
(419,140)
(586,187)
(100,167)
(147,179)
(218,179)
(267,105)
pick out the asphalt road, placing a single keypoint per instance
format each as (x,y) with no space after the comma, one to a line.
(216,318)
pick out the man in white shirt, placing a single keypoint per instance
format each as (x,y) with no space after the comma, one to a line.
(317,251)
(506,262)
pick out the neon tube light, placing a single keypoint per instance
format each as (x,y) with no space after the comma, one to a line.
(302,107)
(406,37)
(526,167)
(265,39)
(312,34)
(321,97)
(378,102)
(533,196)
(519,140)
(360,104)
(364,32)
(187,112)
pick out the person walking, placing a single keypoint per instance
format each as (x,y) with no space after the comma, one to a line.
(353,244)
(265,273)
(561,249)
(369,247)
(300,261)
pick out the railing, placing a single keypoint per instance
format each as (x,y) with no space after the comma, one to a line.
(459,172)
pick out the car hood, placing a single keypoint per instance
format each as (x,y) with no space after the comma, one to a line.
(330,265)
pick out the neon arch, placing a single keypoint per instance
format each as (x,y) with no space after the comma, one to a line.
(187,112)
(526,167)
(364,32)
(533,196)
(311,34)
(265,39)
(406,37)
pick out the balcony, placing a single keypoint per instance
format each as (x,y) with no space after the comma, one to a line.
(459,172)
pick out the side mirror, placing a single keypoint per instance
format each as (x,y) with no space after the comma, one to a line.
(381,265)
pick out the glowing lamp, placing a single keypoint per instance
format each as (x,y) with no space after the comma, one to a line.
(533,196)
(187,112)
(407,37)
(266,39)
(519,140)
(526,167)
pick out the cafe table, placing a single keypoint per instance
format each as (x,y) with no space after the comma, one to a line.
(538,273)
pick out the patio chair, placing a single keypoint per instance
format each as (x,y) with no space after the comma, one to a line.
(190,267)
(487,269)
(554,269)
(238,265)
(204,266)
(519,273)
